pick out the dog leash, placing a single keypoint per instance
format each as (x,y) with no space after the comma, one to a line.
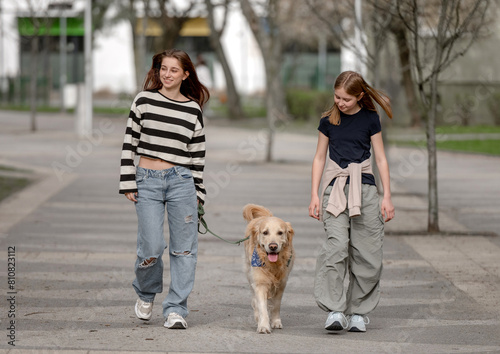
(202,222)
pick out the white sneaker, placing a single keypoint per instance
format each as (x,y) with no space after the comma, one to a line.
(358,323)
(175,321)
(143,310)
(336,321)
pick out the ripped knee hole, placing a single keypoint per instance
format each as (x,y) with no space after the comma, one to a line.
(148,262)
(185,253)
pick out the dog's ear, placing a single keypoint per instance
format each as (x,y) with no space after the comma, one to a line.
(289,232)
(254,228)
(247,212)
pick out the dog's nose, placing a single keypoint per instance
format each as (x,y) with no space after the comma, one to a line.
(273,246)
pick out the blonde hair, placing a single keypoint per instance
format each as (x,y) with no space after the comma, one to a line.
(354,85)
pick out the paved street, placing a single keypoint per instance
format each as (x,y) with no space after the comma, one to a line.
(74,239)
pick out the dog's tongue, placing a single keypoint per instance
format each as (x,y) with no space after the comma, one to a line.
(273,257)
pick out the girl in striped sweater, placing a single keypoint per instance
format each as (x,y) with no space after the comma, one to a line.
(165,130)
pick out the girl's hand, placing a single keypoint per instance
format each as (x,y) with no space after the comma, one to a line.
(131,196)
(314,208)
(387,209)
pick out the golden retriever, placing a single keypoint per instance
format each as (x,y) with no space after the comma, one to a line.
(269,257)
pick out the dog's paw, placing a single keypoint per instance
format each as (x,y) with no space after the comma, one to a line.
(276,324)
(264,330)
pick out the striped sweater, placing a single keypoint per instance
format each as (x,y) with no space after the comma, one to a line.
(161,128)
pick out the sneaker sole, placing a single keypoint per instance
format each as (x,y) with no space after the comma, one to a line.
(335,326)
(356,329)
(176,325)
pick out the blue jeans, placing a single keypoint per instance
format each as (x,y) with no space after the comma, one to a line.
(173,188)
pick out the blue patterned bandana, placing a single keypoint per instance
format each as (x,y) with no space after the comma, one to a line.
(256,262)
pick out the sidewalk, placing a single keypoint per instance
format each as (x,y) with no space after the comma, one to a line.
(74,239)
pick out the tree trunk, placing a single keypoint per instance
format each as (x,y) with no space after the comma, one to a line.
(404,61)
(47,70)
(433,215)
(33,81)
(272,52)
(275,101)
(138,44)
(171,29)
(139,59)
(233,97)
(140,53)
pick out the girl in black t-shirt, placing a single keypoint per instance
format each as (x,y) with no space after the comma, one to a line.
(354,232)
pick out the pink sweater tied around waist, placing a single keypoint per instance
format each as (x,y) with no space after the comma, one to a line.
(337,202)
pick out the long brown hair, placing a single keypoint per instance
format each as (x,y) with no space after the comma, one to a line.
(354,85)
(191,87)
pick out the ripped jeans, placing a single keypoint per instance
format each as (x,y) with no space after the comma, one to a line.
(173,188)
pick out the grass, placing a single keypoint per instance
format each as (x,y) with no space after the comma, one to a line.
(478,129)
(11,169)
(25,108)
(46,109)
(112,111)
(9,185)
(486,146)
(489,147)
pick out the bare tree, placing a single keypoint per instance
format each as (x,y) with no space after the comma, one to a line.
(173,15)
(265,27)
(440,31)
(130,10)
(400,36)
(40,23)
(170,15)
(344,22)
(137,14)
(233,97)
(379,19)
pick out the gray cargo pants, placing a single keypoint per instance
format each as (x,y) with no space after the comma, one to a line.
(354,245)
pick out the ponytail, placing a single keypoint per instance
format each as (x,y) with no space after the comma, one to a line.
(381,98)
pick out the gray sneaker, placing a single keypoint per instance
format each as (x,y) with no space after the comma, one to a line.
(357,323)
(336,321)
(143,310)
(175,321)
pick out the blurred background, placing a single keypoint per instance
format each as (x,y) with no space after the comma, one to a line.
(291,49)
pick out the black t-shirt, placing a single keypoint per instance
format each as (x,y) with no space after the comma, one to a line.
(350,140)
